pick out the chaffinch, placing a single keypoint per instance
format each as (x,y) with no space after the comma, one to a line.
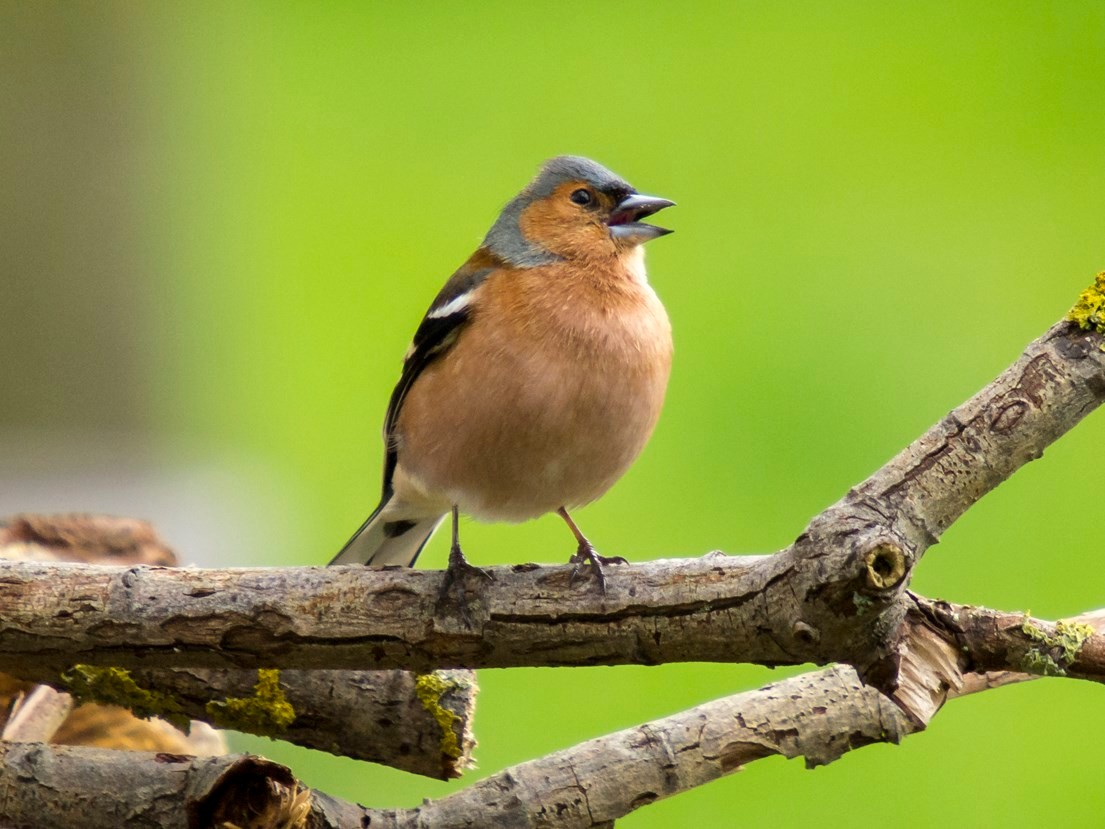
(536,376)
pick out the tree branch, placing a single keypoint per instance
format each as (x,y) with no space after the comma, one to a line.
(832,596)
(421,724)
(54,786)
(820,716)
(57,615)
(993,640)
(838,593)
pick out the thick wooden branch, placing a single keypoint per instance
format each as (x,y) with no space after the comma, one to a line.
(56,615)
(901,510)
(835,595)
(820,716)
(62,786)
(422,724)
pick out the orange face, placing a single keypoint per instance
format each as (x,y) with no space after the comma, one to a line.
(572,222)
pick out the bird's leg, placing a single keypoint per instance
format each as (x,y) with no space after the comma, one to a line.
(458,570)
(585,553)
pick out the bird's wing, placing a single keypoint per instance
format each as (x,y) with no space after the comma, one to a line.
(439,329)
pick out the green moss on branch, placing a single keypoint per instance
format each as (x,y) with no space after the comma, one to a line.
(115,686)
(267,713)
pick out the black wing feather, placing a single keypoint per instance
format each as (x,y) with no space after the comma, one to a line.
(435,335)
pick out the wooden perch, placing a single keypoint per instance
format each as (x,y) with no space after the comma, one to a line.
(838,593)
(831,596)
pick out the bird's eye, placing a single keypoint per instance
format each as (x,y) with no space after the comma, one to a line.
(582,197)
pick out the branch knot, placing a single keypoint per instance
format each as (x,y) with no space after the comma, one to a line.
(886,566)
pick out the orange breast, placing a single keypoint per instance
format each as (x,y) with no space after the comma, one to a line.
(546,398)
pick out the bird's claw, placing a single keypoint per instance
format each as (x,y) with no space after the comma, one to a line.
(457,574)
(586,557)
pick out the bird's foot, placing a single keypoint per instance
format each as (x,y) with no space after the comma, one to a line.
(460,575)
(586,556)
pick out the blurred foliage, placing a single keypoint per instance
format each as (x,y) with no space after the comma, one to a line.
(879,206)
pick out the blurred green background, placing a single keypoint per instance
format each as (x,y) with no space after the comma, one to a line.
(220,223)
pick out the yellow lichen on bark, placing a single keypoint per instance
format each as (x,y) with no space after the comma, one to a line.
(267,713)
(430,688)
(1053,654)
(1089,311)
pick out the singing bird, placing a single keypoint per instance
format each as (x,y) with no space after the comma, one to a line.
(536,376)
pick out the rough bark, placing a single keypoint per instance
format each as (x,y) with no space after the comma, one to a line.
(994,640)
(56,786)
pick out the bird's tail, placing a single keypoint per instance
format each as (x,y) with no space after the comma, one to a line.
(388,538)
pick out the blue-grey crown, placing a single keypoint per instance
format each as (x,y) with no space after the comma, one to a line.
(505,238)
(556,171)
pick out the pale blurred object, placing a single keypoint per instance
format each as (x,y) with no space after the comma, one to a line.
(39,713)
(90,539)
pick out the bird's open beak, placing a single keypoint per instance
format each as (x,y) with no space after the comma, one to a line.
(625,221)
